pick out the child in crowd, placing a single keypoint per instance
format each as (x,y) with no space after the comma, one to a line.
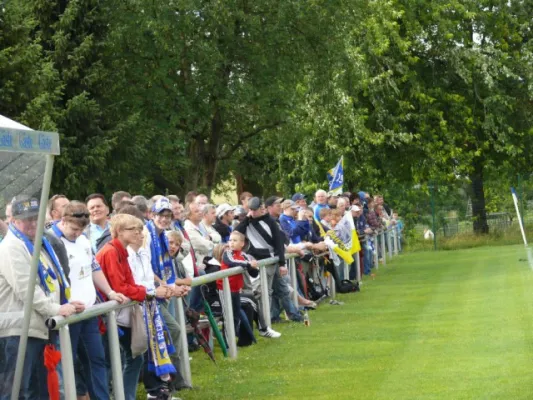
(235,257)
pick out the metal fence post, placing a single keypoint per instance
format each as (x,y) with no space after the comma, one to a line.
(265,295)
(114,353)
(389,242)
(67,362)
(184,359)
(228,319)
(332,288)
(383,250)
(358,266)
(294,281)
(376,262)
(395,242)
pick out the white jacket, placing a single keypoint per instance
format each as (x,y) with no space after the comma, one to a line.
(202,245)
(15,261)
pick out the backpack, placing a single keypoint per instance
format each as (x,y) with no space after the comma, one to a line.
(347,286)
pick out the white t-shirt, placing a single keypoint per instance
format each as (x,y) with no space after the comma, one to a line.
(82,264)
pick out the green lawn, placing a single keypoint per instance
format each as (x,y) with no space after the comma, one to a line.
(445,325)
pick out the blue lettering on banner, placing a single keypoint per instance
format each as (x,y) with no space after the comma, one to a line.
(28,141)
(44,142)
(25,141)
(6,140)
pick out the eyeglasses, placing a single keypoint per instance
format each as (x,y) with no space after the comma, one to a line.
(134,228)
(80,215)
(164,216)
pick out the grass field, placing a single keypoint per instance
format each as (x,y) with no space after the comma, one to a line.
(445,325)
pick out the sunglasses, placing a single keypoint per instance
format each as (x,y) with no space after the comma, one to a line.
(80,215)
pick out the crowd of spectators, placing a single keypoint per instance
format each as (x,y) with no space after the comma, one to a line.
(148,250)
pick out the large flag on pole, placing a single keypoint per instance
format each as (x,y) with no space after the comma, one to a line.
(336,177)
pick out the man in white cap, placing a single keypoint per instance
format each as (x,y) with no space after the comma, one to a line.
(225,216)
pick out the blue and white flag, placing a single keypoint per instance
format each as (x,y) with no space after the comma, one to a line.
(336,178)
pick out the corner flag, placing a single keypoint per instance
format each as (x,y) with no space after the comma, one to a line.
(336,177)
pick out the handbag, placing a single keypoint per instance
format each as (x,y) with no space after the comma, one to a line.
(139,335)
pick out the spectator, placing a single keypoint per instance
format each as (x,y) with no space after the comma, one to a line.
(99,212)
(325,219)
(273,206)
(342,204)
(190,197)
(200,241)
(235,257)
(206,226)
(244,198)
(118,197)
(85,274)
(293,228)
(300,200)
(156,376)
(225,214)
(113,259)
(332,200)
(126,209)
(141,203)
(51,298)
(321,201)
(201,200)
(266,240)
(56,204)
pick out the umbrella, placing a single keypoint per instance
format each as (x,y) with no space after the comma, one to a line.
(194,317)
(214,326)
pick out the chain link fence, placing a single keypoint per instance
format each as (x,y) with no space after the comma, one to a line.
(441,215)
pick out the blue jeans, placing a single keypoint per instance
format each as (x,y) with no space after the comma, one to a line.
(282,294)
(85,337)
(368,257)
(34,385)
(132,366)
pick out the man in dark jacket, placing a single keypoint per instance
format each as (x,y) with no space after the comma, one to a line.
(225,215)
(267,240)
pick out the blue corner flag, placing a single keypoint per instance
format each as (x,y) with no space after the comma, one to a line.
(336,177)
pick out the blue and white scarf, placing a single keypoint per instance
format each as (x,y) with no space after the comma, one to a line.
(161,261)
(47,273)
(160,344)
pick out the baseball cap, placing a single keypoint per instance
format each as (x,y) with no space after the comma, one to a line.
(24,209)
(223,209)
(355,208)
(254,203)
(161,205)
(298,196)
(273,200)
(288,203)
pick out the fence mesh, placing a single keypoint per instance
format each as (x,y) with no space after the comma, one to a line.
(439,215)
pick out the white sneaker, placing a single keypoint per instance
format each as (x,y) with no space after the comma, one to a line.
(269,333)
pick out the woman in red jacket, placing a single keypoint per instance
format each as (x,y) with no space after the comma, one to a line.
(113,259)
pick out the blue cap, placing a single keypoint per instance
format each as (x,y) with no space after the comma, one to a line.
(24,209)
(161,205)
(298,196)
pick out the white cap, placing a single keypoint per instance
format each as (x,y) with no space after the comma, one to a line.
(355,208)
(223,209)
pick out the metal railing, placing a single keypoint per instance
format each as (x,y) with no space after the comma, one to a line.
(110,308)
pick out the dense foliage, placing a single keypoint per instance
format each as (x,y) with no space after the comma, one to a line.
(183,94)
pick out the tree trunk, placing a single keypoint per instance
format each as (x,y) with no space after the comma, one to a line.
(479,214)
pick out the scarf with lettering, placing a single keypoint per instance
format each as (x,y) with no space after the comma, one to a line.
(46,272)
(160,344)
(161,261)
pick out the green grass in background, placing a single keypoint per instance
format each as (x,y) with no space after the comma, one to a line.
(445,325)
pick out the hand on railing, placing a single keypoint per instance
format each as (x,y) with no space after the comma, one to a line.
(283,271)
(253,264)
(73,307)
(118,297)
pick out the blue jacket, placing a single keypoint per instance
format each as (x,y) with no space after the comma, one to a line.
(294,229)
